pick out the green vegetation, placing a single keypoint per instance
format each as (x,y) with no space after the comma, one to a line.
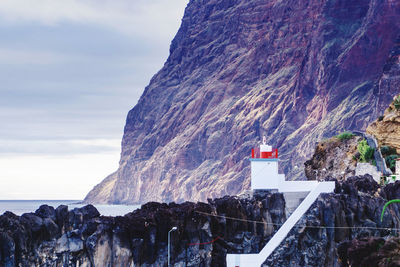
(397,103)
(387,204)
(345,136)
(391,161)
(387,150)
(390,155)
(366,152)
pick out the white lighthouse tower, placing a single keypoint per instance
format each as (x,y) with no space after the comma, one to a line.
(264,168)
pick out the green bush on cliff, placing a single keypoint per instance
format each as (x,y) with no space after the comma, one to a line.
(388,150)
(397,103)
(391,161)
(366,152)
(345,136)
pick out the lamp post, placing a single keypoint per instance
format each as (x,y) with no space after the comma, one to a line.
(169,246)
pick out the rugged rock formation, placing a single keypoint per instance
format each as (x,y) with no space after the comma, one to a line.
(337,219)
(372,251)
(334,157)
(296,71)
(387,128)
(80,237)
(58,237)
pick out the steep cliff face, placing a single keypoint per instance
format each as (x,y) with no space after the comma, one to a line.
(295,71)
(387,128)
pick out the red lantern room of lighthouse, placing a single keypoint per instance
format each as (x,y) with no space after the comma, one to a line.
(264,167)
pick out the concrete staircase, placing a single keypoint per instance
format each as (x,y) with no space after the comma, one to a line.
(293,200)
(254,260)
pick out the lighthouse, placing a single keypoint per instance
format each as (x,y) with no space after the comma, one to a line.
(299,196)
(264,167)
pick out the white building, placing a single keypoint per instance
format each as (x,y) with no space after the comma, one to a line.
(265,172)
(264,168)
(398,167)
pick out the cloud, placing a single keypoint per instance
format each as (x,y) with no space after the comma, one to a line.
(12,56)
(59,146)
(53,177)
(139,17)
(70,71)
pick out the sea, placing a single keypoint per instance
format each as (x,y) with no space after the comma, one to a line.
(20,207)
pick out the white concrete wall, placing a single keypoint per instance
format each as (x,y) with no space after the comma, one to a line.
(397,167)
(264,174)
(246,260)
(296,186)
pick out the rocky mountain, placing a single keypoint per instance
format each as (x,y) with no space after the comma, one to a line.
(295,71)
(387,128)
(206,232)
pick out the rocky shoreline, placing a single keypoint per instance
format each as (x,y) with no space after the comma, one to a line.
(81,237)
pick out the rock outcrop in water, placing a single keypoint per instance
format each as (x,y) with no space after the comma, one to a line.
(295,71)
(325,236)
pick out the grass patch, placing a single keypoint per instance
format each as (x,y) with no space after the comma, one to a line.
(397,103)
(345,136)
(366,152)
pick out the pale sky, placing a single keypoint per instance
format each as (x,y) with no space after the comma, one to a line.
(70,70)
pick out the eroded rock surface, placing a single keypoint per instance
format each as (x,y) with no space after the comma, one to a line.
(387,128)
(80,237)
(371,251)
(333,158)
(296,71)
(322,235)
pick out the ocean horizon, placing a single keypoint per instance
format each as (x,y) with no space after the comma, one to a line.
(19,207)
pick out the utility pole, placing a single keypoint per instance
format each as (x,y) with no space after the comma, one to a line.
(169,245)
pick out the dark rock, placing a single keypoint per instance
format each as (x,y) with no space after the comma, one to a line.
(51,228)
(364,183)
(46,211)
(62,217)
(32,221)
(372,251)
(7,250)
(392,190)
(77,216)
(89,212)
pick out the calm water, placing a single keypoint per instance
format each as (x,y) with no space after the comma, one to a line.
(19,207)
